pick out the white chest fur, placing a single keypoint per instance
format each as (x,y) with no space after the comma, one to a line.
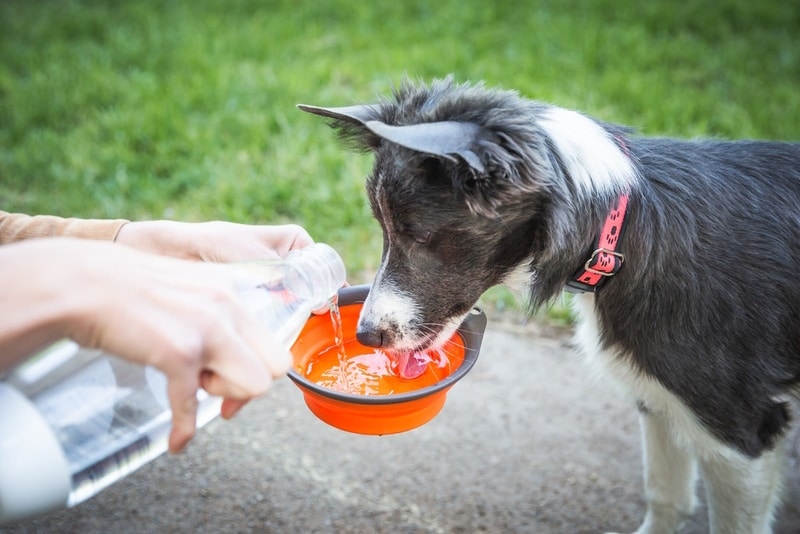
(611,363)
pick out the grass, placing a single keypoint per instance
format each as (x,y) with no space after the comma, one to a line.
(185,109)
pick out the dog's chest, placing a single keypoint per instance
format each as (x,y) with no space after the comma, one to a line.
(614,365)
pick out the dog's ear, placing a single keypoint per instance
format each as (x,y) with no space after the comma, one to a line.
(446,139)
(350,122)
(352,114)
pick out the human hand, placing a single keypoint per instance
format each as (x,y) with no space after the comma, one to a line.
(181,317)
(216,241)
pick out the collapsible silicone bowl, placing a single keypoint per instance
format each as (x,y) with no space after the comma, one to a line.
(378,414)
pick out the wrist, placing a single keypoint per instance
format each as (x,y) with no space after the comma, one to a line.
(165,238)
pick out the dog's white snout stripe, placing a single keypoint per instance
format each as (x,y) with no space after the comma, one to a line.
(389,312)
(388,305)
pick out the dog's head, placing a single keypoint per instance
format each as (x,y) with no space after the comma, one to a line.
(465,185)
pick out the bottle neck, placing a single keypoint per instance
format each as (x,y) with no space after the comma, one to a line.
(317,273)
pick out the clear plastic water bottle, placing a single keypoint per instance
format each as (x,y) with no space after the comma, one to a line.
(74,420)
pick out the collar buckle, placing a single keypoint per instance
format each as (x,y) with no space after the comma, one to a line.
(595,259)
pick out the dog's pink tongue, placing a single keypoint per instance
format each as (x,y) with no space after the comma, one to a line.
(411,364)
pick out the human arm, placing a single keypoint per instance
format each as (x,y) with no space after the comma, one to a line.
(19,226)
(217,241)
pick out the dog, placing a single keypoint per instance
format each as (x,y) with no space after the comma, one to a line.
(684,257)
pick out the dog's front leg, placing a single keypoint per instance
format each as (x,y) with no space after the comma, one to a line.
(743,493)
(669,477)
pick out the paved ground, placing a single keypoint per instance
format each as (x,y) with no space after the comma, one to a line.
(527,442)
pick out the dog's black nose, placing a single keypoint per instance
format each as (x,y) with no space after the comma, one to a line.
(369,337)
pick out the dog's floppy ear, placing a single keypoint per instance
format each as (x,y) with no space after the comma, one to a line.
(446,139)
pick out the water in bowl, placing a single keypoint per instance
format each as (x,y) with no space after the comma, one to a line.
(350,367)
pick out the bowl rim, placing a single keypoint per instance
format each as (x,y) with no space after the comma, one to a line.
(471,331)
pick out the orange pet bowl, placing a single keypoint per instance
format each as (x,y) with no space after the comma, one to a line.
(393,404)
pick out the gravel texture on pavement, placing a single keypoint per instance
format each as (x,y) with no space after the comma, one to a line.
(528,441)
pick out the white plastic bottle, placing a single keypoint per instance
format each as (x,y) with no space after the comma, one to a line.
(73,420)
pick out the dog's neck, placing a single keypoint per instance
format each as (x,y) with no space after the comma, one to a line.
(595,160)
(606,259)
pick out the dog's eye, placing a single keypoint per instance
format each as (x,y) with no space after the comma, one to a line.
(422,237)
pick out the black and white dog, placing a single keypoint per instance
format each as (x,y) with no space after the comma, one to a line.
(685,254)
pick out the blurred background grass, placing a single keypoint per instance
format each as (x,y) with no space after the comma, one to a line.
(186,109)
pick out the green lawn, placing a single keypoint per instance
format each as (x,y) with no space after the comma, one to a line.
(185,109)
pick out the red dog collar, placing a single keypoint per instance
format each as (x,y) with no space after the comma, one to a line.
(606,260)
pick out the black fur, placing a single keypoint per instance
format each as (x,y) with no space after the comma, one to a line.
(708,300)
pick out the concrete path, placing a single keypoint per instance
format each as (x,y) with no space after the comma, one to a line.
(527,442)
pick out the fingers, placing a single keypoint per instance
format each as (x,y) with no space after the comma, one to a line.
(228,367)
(232,368)
(225,242)
(278,239)
(239,361)
(267,347)
(231,407)
(244,358)
(214,241)
(222,386)
(301,237)
(182,395)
